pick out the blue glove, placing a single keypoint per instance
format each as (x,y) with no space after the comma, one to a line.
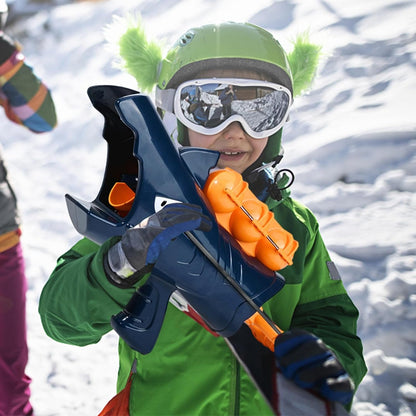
(141,245)
(310,364)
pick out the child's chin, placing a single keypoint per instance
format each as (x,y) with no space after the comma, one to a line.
(232,162)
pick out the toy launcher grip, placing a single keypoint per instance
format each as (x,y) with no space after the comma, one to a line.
(249,220)
(139,323)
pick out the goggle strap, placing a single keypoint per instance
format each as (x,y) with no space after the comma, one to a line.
(164,99)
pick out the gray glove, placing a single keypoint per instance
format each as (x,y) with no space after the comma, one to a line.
(134,255)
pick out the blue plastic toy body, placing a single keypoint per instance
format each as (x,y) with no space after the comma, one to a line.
(164,173)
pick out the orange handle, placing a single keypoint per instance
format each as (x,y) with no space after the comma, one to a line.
(262,330)
(249,220)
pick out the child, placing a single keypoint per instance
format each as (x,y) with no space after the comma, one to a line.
(26,101)
(189,371)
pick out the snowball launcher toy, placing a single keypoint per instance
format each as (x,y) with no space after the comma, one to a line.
(142,155)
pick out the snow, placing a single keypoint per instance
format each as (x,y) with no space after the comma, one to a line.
(350,142)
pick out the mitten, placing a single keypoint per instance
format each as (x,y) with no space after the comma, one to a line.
(309,363)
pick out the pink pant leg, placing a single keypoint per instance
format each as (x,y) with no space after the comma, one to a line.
(14,383)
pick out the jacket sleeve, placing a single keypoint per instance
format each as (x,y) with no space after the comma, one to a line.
(328,312)
(314,297)
(77,302)
(25,98)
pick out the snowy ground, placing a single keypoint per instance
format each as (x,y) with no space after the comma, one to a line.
(351,143)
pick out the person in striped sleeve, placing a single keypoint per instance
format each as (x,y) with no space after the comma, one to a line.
(26,101)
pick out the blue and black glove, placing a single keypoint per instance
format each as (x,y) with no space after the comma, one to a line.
(137,251)
(309,363)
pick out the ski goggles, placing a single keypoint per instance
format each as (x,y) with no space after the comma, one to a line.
(207,106)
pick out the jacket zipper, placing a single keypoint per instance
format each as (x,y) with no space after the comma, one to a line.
(235,391)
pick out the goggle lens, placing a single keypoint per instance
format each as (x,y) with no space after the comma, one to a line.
(208,106)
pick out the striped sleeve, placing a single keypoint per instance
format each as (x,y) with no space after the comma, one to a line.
(25,98)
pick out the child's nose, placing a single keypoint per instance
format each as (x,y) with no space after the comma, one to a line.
(234,131)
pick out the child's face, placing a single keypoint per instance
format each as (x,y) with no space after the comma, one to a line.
(237,149)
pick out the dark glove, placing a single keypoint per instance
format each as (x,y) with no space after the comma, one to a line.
(310,364)
(140,246)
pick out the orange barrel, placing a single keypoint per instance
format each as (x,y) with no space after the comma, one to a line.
(249,220)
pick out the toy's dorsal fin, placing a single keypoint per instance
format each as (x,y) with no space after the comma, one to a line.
(199,162)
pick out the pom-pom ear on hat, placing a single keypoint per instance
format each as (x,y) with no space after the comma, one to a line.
(303,62)
(140,57)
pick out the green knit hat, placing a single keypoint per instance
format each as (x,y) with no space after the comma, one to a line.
(218,46)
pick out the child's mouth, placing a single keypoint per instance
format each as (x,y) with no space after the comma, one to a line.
(231,155)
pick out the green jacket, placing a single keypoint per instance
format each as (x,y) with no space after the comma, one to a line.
(191,372)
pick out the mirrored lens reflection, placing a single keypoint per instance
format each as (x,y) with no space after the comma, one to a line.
(209,105)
